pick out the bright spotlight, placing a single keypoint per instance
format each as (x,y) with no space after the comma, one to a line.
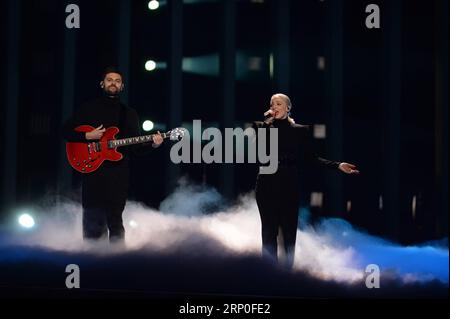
(25,220)
(133,224)
(147,125)
(150,65)
(153,5)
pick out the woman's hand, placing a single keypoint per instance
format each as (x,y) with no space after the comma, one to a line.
(348,168)
(269,117)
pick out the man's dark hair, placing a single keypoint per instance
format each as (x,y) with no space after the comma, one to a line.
(110,69)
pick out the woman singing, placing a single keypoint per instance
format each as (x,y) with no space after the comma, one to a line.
(277,195)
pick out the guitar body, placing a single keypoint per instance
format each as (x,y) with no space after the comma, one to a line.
(86,157)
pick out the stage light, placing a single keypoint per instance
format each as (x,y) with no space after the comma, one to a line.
(271,65)
(133,223)
(321,63)
(26,221)
(316,199)
(320,131)
(150,65)
(153,5)
(197,1)
(207,65)
(147,125)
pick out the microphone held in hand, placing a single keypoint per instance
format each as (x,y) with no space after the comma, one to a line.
(269,115)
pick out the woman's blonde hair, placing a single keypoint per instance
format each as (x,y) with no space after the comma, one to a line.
(288,102)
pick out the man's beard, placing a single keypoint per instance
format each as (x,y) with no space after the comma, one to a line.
(111,93)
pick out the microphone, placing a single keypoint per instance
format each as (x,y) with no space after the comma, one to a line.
(268,114)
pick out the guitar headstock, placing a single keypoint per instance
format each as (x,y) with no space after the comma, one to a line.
(177,134)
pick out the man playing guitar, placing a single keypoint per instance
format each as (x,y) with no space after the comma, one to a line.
(105,190)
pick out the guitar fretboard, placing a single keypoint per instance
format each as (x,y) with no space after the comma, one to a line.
(133,140)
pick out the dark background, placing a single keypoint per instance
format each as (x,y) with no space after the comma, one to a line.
(383,96)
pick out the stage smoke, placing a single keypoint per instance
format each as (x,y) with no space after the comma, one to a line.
(331,251)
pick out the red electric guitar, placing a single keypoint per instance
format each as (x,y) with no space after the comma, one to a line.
(86,157)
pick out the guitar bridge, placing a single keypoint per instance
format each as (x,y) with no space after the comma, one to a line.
(94,147)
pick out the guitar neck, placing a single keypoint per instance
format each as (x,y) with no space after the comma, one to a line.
(134,140)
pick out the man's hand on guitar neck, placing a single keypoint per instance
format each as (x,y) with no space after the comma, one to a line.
(96,134)
(157,139)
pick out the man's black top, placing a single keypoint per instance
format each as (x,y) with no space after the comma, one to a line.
(108,185)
